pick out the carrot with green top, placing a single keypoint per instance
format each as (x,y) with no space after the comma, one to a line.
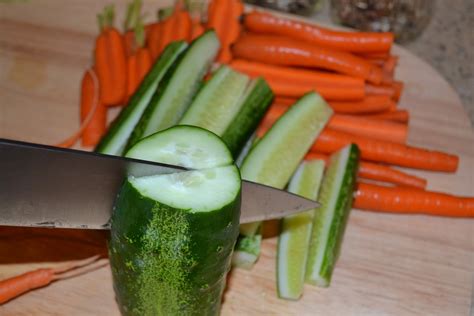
(285,51)
(110,60)
(330,141)
(360,42)
(378,172)
(409,201)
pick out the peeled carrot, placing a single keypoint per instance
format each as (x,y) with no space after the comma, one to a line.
(377,172)
(393,89)
(153,39)
(319,36)
(197,28)
(132,16)
(110,61)
(401,116)
(297,90)
(330,141)
(129,42)
(183,26)
(23,283)
(284,100)
(371,128)
(289,52)
(403,200)
(312,77)
(97,125)
(20,284)
(370,104)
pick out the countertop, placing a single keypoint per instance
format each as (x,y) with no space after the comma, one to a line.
(447,44)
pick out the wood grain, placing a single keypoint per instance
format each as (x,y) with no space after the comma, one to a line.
(390,264)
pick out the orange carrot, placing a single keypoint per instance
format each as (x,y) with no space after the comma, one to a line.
(318,36)
(153,39)
(20,284)
(97,125)
(197,28)
(330,141)
(284,100)
(110,61)
(23,283)
(183,26)
(371,128)
(129,42)
(370,104)
(393,90)
(316,78)
(297,90)
(403,200)
(401,116)
(377,172)
(289,52)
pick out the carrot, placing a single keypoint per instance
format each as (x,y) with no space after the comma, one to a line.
(403,200)
(284,100)
(183,26)
(20,284)
(132,16)
(371,128)
(110,60)
(319,36)
(296,90)
(377,172)
(153,39)
(370,104)
(388,68)
(289,52)
(317,78)
(197,28)
(330,141)
(96,126)
(223,16)
(401,116)
(393,90)
(129,42)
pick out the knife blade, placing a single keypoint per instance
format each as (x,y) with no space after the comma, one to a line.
(46,186)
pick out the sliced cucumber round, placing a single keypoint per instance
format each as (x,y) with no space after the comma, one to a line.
(172,235)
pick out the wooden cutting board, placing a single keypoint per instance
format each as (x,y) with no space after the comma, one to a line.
(390,264)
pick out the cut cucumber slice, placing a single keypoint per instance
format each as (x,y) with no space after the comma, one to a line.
(293,242)
(330,221)
(172,235)
(186,146)
(246,251)
(253,105)
(113,143)
(275,157)
(179,86)
(217,102)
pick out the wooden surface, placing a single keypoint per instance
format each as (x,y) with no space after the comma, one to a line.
(390,264)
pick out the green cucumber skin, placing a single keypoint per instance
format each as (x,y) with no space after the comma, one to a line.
(109,144)
(140,129)
(248,118)
(342,210)
(190,276)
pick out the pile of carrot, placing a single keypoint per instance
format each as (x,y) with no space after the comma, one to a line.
(353,71)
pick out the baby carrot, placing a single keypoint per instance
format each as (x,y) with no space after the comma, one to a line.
(403,200)
(110,61)
(12,287)
(285,51)
(361,42)
(401,116)
(330,141)
(377,172)
(370,104)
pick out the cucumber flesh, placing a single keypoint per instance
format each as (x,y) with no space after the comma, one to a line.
(172,98)
(186,146)
(246,251)
(190,190)
(172,235)
(336,197)
(275,157)
(113,143)
(293,241)
(217,102)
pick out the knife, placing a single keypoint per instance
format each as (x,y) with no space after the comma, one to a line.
(46,186)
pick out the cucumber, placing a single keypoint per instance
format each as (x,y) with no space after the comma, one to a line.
(295,233)
(172,235)
(113,143)
(216,104)
(246,251)
(173,97)
(329,225)
(254,103)
(275,157)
